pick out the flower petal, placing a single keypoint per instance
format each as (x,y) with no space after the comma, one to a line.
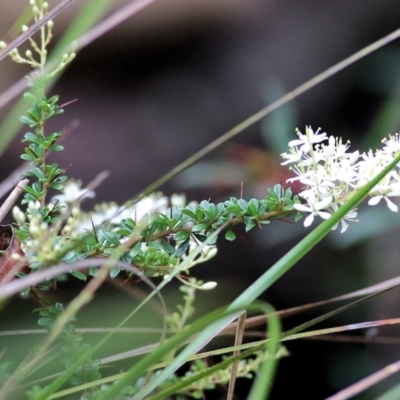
(309,220)
(373,201)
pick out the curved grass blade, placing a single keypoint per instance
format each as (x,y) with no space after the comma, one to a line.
(394,392)
(277,270)
(60,380)
(175,342)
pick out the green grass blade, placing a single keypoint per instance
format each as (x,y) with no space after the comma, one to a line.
(265,378)
(262,385)
(282,266)
(60,380)
(171,344)
(392,394)
(175,342)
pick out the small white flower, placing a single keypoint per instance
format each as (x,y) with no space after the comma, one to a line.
(350,216)
(314,207)
(392,145)
(306,141)
(330,173)
(178,200)
(373,201)
(293,157)
(72,192)
(150,204)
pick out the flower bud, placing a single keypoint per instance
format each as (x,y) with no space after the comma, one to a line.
(18,215)
(208,285)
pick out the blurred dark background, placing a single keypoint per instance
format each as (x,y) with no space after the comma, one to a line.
(178,75)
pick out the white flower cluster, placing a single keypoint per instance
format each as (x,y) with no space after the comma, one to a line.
(141,212)
(330,174)
(112,212)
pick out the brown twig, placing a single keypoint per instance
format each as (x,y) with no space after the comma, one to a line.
(367,382)
(13,179)
(112,21)
(238,341)
(12,198)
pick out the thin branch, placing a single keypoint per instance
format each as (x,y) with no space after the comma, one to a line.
(367,382)
(18,285)
(238,341)
(88,330)
(13,179)
(12,198)
(112,21)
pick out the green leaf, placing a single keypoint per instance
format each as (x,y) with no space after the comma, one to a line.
(29,190)
(249,224)
(253,207)
(28,157)
(155,245)
(111,237)
(190,211)
(56,148)
(278,191)
(31,137)
(123,232)
(114,272)
(261,210)
(88,238)
(27,199)
(288,194)
(37,172)
(57,186)
(128,224)
(243,204)
(151,228)
(45,321)
(201,238)
(28,96)
(298,216)
(181,235)
(135,250)
(230,235)
(168,248)
(200,227)
(181,249)
(28,121)
(78,274)
(161,219)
